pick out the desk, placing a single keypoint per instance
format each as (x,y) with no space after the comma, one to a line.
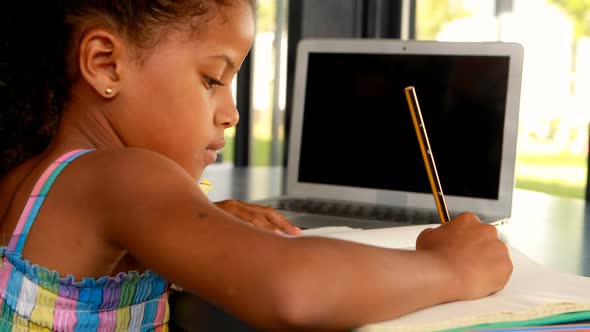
(551,230)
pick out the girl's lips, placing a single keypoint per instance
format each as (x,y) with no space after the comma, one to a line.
(211,151)
(218,145)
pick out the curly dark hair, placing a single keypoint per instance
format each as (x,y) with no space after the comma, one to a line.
(37,43)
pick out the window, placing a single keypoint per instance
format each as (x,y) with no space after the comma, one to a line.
(554,111)
(267,86)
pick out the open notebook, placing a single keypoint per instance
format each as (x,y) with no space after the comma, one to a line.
(535,295)
(353,157)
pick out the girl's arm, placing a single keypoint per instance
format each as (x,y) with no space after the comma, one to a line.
(157,212)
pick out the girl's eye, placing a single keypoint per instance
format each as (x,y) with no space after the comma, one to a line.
(210,83)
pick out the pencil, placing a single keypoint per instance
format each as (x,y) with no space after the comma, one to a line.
(437,192)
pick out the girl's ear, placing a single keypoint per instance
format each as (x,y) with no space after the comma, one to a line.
(100,61)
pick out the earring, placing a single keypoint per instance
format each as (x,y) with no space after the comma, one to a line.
(108,91)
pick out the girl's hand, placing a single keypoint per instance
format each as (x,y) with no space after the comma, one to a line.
(475,256)
(261,216)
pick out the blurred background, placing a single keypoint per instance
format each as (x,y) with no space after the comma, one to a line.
(555,102)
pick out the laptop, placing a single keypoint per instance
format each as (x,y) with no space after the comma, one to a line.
(353,155)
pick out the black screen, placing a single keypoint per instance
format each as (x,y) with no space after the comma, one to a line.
(357,128)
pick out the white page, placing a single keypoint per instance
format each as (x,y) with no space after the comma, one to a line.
(393,237)
(533,291)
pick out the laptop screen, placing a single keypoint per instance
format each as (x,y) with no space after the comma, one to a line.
(357,130)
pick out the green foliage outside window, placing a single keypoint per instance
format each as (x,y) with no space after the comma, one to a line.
(579,12)
(434,14)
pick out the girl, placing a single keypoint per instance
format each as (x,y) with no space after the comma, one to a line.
(110,111)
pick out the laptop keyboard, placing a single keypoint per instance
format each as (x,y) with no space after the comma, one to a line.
(356,210)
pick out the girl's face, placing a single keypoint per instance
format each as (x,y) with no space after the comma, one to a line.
(179,101)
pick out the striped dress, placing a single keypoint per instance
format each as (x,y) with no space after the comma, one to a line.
(35,298)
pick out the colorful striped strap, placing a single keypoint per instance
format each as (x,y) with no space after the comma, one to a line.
(37,197)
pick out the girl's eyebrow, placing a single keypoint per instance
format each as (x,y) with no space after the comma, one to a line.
(225,58)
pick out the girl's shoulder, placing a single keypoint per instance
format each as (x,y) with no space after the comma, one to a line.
(128,162)
(116,177)
(107,182)
(127,192)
